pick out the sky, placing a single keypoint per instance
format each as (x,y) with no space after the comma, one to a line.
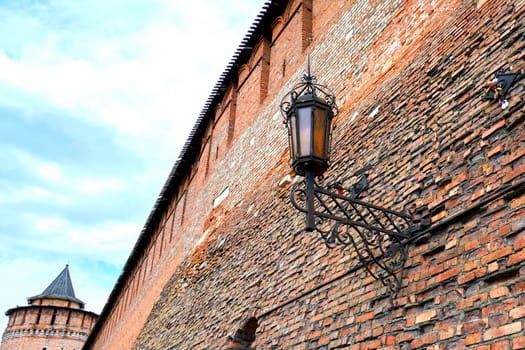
(97,98)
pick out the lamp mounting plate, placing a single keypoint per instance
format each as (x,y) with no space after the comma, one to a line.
(499,87)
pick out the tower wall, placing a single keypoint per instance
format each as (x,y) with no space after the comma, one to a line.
(47,327)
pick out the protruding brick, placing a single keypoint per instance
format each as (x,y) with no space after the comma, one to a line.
(426,316)
(494,128)
(502,331)
(499,292)
(518,312)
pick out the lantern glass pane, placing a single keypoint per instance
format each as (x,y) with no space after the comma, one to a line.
(320,136)
(304,124)
(293,135)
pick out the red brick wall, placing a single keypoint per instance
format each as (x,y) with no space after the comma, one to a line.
(39,342)
(408,76)
(253,87)
(290,37)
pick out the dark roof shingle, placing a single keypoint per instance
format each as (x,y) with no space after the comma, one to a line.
(60,288)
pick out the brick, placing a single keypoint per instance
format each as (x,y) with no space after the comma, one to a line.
(323,340)
(497,149)
(457,181)
(514,173)
(517,202)
(429,338)
(474,327)
(502,306)
(502,331)
(451,273)
(473,339)
(472,264)
(365,317)
(471,244)
(501,345)
(518,343)
(496,255)
(513,157)
(498,292)
(493,129)
(441,215)
(516,258)
(493,267)
(447,333)
(482,347)
(425,316)
(472,136)
(518,312)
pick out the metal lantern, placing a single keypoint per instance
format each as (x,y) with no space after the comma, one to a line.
(309,125)
(308,111)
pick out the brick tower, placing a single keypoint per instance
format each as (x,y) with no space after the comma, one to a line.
(52,320)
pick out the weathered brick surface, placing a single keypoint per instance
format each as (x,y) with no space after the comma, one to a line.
(408,76)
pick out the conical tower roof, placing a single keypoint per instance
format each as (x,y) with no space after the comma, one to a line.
(60,288)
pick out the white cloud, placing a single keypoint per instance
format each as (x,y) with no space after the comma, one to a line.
(44,169)
(49,171)
(32,194)
(109,238)
(100,185)
(107,241)
(52,173)
(50,225)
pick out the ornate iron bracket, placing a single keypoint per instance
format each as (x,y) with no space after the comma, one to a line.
(379,236)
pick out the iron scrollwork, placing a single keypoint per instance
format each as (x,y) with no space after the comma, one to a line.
(307,86)
(377,235)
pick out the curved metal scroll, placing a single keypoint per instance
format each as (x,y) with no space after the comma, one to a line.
(377,235)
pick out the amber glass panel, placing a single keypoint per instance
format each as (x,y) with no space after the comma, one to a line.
(320,139)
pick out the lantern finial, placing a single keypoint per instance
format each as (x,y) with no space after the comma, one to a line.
(308,78)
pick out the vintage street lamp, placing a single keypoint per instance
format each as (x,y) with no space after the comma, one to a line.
(308,110)
(309,121)
(378,235)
